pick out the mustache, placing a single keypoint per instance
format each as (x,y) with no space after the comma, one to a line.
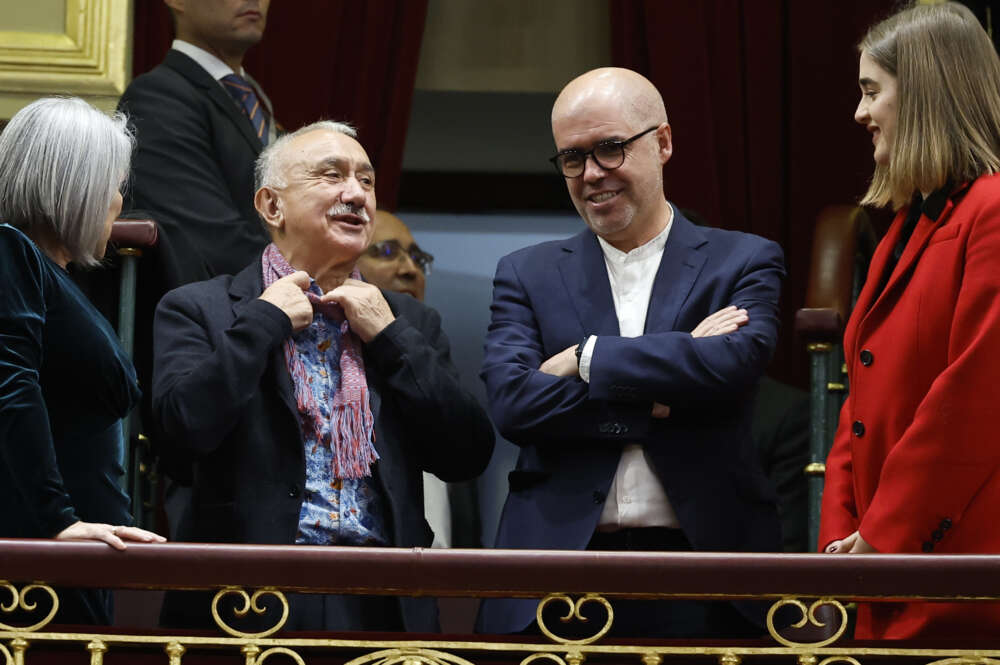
(348,209)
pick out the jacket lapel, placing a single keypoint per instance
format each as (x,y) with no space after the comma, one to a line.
(245,287)
(922,232)
(585,277)
(194,73)
(682,262)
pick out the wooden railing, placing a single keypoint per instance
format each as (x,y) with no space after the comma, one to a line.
(32,568)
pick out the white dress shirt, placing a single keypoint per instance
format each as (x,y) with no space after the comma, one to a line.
(636,497)
(217,69)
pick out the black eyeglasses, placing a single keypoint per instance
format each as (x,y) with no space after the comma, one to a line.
(608,155)
(391,250)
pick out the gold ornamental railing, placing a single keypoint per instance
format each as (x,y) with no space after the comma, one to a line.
(805,583)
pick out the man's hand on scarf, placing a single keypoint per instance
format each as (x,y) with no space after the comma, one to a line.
(288,295)
(364,307)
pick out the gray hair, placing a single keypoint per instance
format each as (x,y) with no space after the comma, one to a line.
(269,170)
(61,163)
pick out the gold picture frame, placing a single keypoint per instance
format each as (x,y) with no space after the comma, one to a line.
(90,58)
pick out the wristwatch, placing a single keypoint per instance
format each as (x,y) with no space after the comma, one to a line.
(579,350)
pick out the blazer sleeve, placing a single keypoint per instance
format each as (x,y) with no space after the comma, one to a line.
(531,407)
(949,452)
(205,371)
(455,434)
(177,176)
(676,369)
(26,447)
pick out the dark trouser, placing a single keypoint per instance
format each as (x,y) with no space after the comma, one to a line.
(651,618)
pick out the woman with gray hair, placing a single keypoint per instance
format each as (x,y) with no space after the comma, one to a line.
(65,384)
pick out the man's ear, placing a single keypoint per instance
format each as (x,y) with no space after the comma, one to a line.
(268,205)
(666,145)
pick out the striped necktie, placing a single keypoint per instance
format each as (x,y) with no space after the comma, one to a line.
(244,94)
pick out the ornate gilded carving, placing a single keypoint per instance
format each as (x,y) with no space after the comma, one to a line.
(412,656)
(573,612)
(97,649)
(282,650)
(19,599)
(175,650)
(808,615)
(544,656)
(249,603)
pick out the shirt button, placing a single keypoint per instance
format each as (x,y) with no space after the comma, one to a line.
(599,497)
(293,492)
(945,524)
(927,547)
(858,428)
(866,357)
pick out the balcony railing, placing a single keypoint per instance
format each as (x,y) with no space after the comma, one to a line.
(569,579)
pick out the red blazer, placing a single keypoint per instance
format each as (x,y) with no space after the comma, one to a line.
(915,461)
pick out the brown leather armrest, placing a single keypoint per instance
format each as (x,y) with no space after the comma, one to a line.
(818,324)
(134,233)
(842,231)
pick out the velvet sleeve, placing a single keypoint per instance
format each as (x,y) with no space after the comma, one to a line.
(26,446)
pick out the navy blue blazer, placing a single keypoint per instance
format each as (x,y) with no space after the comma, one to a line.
(571,433)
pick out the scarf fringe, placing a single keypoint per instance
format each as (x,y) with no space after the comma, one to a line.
(352,425)
(355,455)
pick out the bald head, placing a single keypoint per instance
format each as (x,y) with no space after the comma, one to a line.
(639,100)
(612,122)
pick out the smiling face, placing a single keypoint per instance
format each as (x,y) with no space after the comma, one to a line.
(324,214)
(878,108)
(625,206)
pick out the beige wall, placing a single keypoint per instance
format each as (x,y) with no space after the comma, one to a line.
(66,47)
(511,45)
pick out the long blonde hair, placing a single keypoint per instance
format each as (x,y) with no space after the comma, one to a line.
(948,99)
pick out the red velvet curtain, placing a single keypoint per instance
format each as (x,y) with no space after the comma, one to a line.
(327,59)
(760,95)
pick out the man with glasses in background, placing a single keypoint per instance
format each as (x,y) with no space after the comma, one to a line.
(624,362)
(394,262)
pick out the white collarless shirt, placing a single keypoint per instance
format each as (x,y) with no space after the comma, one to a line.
(217,69)
(637,497)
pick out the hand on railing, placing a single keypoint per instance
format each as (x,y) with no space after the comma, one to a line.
(853,544)
(115,536)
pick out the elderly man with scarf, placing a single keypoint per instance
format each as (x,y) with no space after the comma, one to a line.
(311,400)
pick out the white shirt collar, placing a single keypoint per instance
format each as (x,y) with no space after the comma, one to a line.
(651,247)
(216,68)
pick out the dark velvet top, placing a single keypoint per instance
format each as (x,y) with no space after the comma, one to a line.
(65,383)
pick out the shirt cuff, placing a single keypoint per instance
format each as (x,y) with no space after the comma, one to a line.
(585,355)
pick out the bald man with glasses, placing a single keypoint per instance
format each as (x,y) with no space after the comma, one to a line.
(624,362)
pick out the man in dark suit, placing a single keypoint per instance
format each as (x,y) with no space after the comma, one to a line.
(200,121)
(624,361)
(310,399)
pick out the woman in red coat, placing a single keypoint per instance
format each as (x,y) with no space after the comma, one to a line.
(915,465)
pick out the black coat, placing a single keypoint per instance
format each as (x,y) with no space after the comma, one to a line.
(193,167)
(222,391)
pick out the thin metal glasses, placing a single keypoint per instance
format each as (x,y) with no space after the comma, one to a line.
(608,155)
(391,250)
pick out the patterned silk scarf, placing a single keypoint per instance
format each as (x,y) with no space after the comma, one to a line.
(351,420)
